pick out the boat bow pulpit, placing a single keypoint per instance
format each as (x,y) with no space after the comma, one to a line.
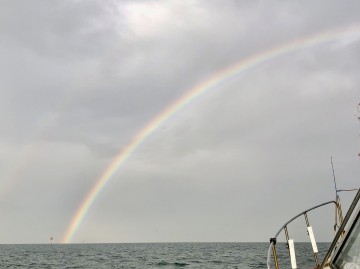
(344,252)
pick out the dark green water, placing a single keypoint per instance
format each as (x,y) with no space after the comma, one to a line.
(157,255)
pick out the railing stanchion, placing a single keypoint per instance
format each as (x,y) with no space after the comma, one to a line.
(312,239)
(273,243)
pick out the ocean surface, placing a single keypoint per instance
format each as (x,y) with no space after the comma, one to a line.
(152,255)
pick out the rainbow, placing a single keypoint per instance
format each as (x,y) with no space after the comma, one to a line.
(213,82)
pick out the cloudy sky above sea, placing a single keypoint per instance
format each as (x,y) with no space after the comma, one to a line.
(80,79)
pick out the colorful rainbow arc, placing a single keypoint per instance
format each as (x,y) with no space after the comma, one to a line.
(211,83)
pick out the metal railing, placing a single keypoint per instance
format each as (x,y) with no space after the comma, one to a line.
(290,242)
(341,231)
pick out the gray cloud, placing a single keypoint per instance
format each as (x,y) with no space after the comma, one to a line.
(81,78)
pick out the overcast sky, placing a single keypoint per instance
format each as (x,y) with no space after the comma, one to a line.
(79,79)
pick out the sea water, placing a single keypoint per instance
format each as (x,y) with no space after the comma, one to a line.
(151,255)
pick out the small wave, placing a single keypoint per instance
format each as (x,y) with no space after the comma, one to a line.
(258,264)
(175,264)
(180,264)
